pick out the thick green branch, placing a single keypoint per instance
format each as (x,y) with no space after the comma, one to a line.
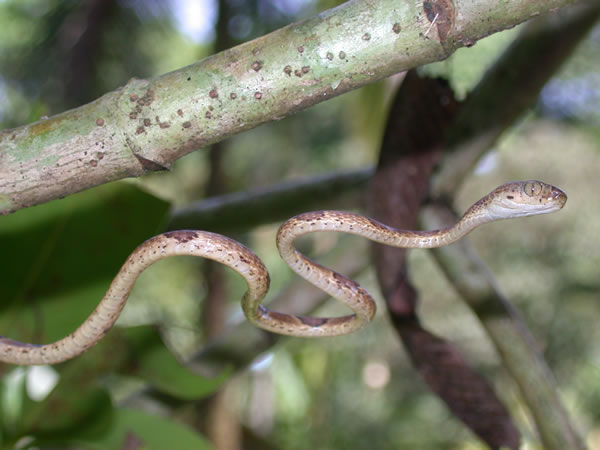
(148,124)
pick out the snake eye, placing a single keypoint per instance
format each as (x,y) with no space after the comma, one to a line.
(532,188)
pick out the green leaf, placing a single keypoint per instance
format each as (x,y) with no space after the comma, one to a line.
(12,393)
(77,403)
(140,430)
(78,410)
(157,365)
(67,411)
(64,254)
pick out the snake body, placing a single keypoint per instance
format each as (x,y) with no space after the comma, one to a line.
(511,200)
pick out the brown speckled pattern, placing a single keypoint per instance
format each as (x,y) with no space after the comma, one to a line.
(507,201)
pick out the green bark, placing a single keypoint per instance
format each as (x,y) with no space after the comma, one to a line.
(148,124)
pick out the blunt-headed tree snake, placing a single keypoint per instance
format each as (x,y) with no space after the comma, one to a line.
(511,200)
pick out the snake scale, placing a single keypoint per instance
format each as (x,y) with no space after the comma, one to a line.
(511,200)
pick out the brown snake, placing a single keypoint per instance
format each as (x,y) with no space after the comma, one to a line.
(510,200)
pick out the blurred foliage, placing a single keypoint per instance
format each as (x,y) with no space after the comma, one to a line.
(353,392)
(573,94)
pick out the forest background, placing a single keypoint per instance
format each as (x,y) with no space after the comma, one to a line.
(359,391)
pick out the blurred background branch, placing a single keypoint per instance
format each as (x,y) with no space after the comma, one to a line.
(274,203)
(515,345)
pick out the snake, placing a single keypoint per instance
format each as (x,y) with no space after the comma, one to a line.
(511,200)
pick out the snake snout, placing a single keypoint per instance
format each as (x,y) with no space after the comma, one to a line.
(558,196)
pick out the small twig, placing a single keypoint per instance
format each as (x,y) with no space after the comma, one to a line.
(431,25)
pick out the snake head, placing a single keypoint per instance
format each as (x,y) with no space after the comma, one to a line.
(524,198)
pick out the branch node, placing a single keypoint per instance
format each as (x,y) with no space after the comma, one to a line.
(148,165)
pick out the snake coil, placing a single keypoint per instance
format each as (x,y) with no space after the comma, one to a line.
(511,200)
